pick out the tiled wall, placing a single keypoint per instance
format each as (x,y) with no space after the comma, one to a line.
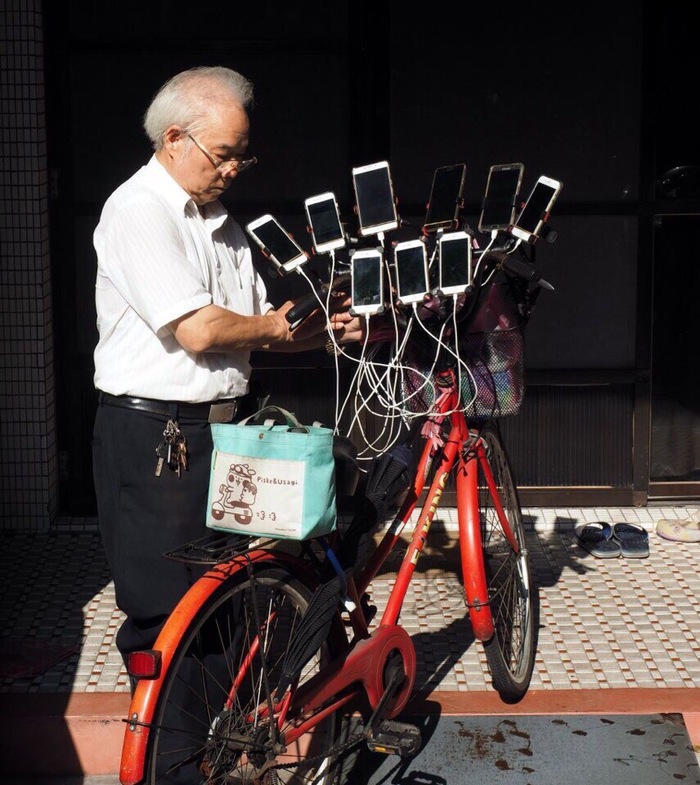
(28,456)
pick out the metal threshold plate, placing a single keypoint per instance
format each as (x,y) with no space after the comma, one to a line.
(547,750)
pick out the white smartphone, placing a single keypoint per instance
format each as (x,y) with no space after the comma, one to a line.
(324,222)
(276,243)
(411,264)
(367,282)
(536,209)
(500,197)
(374,198)
(455,262)
(445,200)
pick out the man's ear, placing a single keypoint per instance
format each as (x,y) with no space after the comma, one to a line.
(173,134)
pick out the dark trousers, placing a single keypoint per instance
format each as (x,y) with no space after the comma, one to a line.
(141,516)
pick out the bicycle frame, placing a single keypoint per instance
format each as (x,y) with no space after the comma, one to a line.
(459,441)
(360,667)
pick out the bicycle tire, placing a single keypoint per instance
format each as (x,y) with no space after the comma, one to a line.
(210,724)
(513,598)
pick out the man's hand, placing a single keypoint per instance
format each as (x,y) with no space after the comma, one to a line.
(346,328)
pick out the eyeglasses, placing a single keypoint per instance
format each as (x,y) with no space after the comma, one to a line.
(225,168)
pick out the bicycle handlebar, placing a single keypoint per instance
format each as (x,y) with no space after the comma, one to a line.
(308,303)
(305,306)
(525,271)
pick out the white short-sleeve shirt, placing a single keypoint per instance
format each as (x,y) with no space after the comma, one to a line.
(159,258)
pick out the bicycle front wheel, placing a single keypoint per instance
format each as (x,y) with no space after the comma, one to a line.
(212,723)
(513,599)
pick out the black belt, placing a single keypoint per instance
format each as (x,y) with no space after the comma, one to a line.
(214,411)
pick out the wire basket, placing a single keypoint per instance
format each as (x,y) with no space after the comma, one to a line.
(490,349)
(493,385)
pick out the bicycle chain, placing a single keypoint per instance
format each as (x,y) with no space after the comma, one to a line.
(333,752)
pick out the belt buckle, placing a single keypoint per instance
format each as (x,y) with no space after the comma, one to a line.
(223,412)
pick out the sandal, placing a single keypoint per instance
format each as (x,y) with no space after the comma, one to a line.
(633,540)
(679,531)
(596,539)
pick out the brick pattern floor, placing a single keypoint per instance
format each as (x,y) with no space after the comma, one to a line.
(605,623)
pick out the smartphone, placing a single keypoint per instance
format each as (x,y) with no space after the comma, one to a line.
(324,221)
(367,282)
(276,243)
(411,263)
(500,197)
(455,262)
(535,212)
(445,198)
(374,197)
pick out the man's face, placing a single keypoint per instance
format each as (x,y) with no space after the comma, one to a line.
(193,161)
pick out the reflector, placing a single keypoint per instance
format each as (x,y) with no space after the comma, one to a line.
(144,664)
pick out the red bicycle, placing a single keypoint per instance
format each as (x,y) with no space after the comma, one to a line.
(274,667)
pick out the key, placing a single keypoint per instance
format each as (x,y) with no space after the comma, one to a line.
(173,456)
(183,462)
(161,453)
(174,451)
(177,452)
(164,449)
(179,460)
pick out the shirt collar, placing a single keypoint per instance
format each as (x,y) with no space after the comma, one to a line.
(214,214)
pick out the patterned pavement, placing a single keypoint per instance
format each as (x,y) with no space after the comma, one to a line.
(605,623)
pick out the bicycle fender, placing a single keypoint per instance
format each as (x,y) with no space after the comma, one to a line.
(475,589)
(147,692)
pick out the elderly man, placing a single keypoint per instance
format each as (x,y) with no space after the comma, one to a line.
(179,309)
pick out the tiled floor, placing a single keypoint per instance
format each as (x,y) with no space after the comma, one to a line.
(617,637)
(616,623)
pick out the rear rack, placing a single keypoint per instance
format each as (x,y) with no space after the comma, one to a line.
(213,548)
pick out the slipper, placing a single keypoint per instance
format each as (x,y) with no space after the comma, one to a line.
(633,540)
(596,539)
(679,531)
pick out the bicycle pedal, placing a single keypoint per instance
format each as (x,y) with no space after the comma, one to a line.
(395,738)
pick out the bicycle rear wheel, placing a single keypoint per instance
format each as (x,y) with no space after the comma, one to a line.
(211,724)
(513,598)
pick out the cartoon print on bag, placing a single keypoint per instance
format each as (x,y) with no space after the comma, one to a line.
(237,494)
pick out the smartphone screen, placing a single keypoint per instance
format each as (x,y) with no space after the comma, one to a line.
(502,188)
(536,210)
(445,197)
(367,289)
(324,222)
(411,262)
(455,261)
(374,196)
(276,243)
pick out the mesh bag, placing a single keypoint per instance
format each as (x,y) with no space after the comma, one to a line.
(490,345)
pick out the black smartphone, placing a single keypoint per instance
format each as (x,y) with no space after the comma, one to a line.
(455,262)
(536,209)
(500,197)
(374,197)
(324,221)
(276,243)
(367,282)
(411,264)
(445,200)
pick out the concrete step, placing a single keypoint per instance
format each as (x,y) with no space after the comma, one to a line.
(62,734)
(45,737)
